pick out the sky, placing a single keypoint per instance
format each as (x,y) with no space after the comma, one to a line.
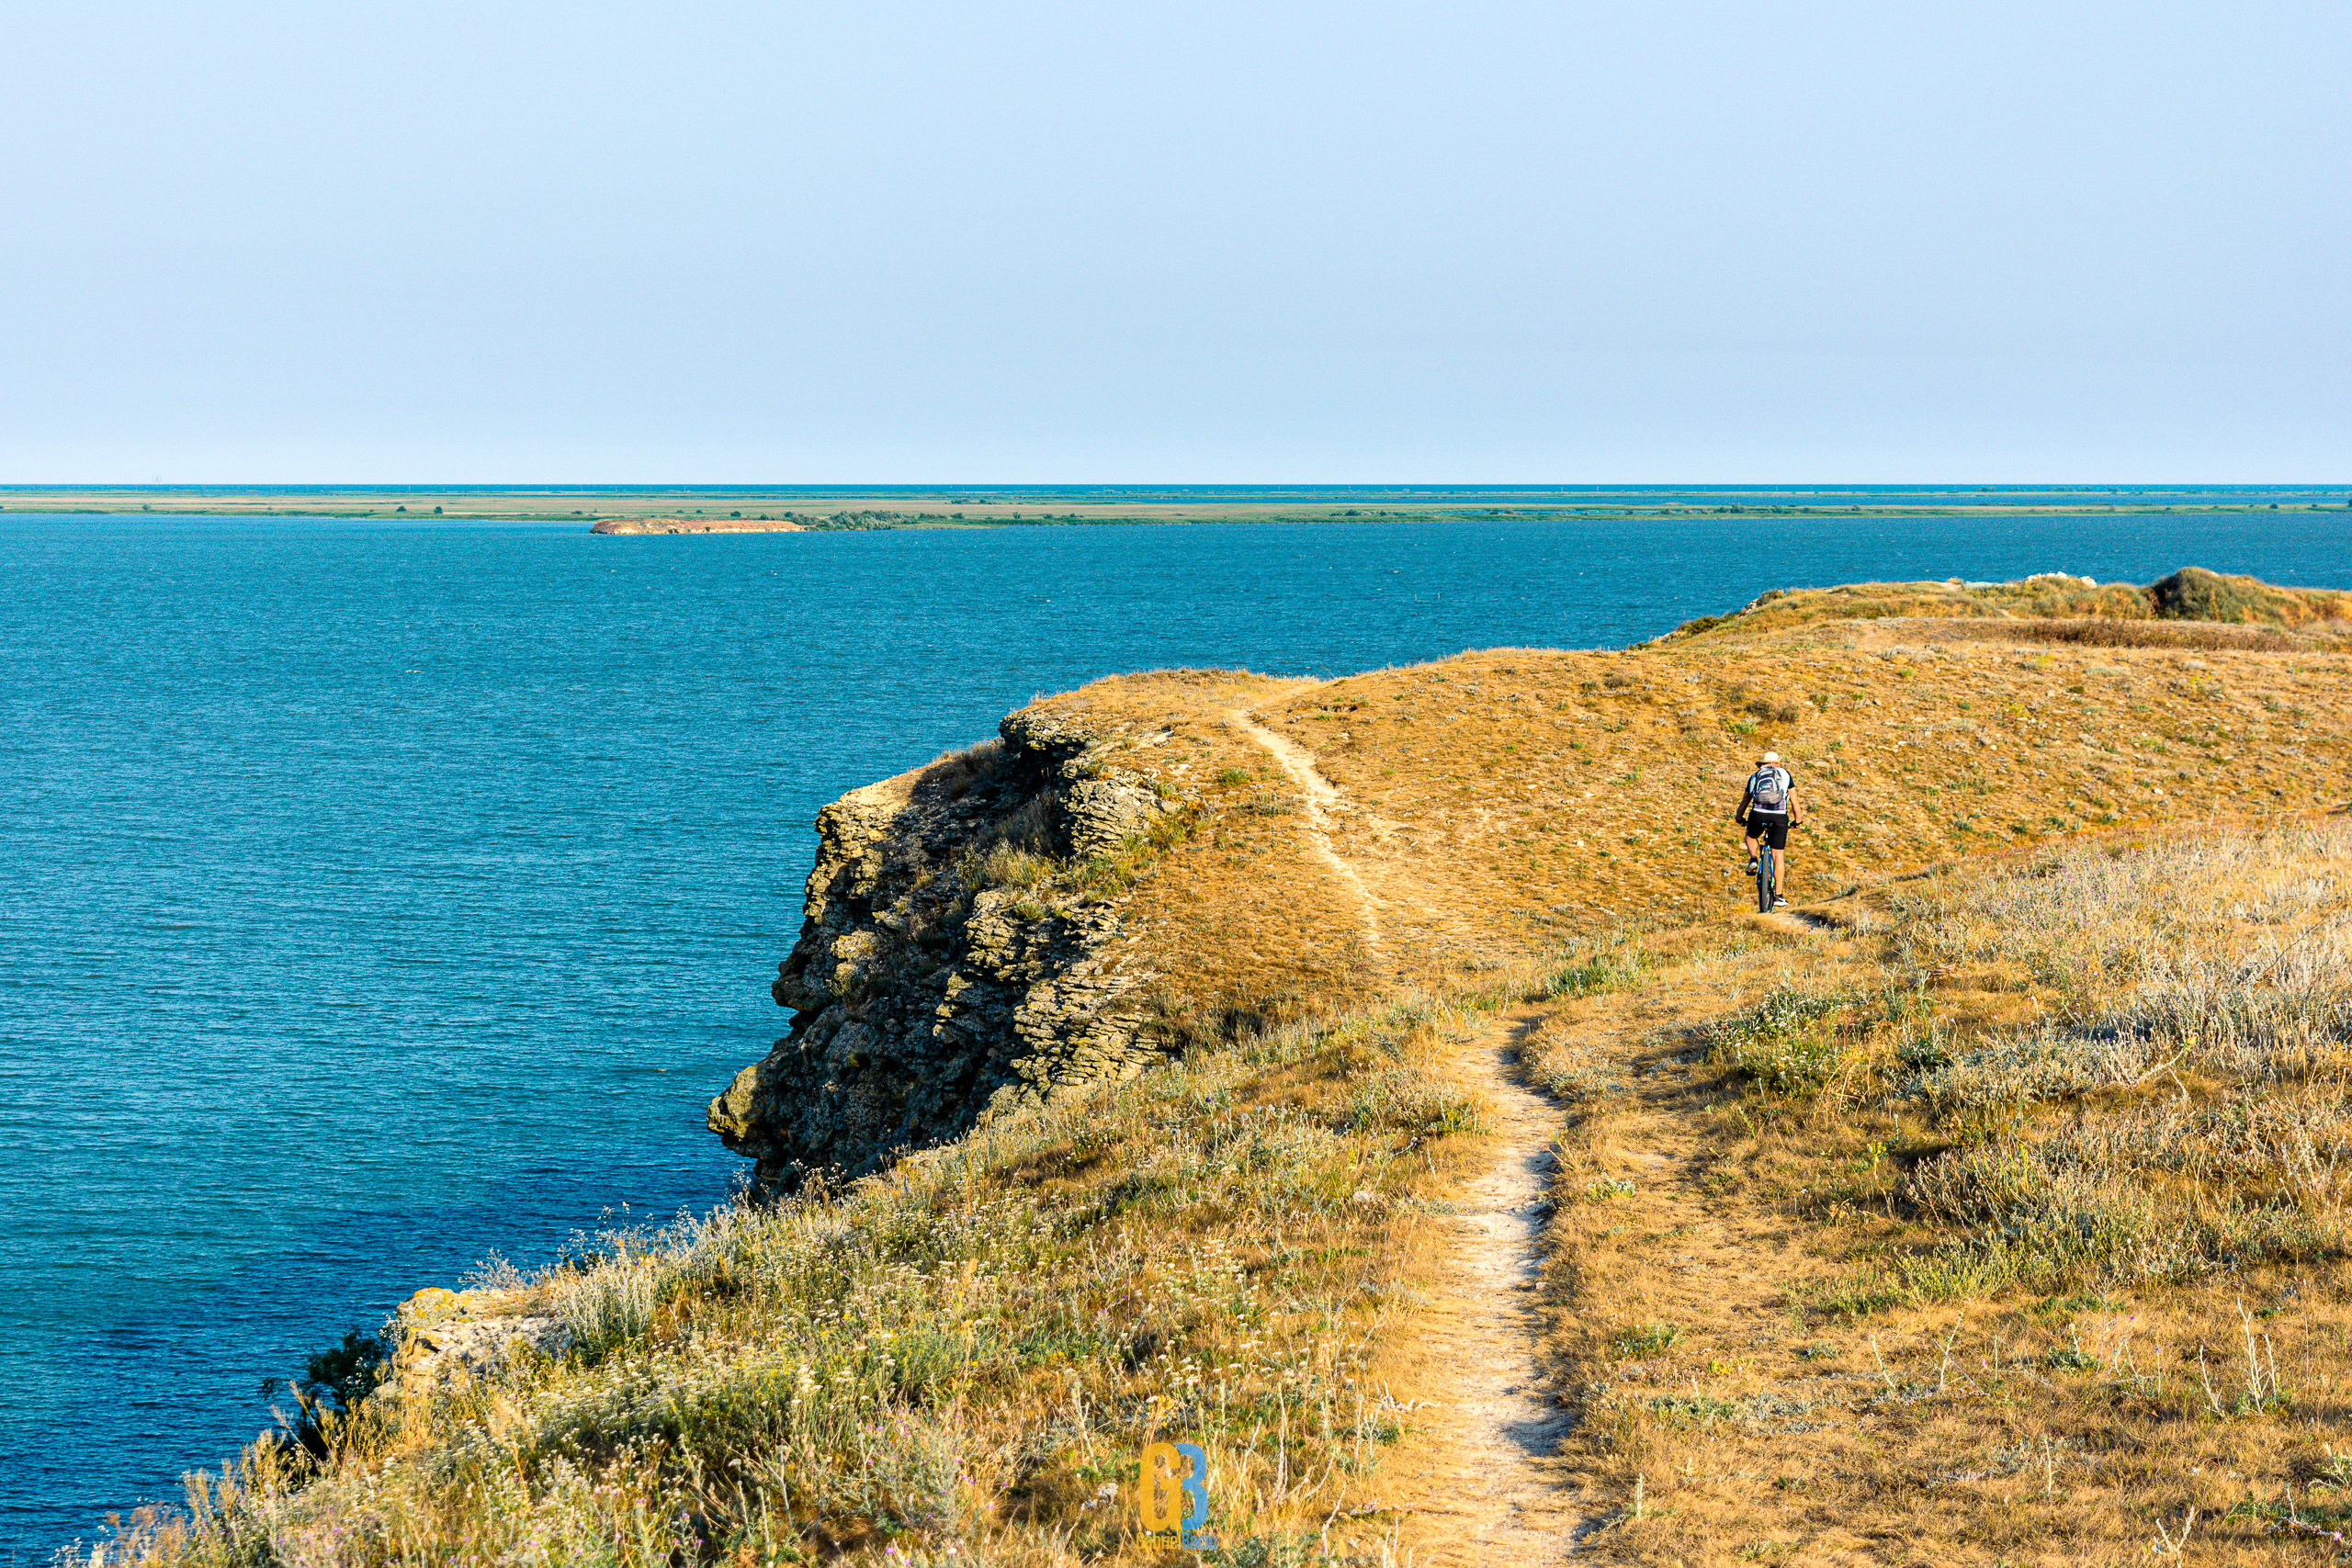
(2000,241)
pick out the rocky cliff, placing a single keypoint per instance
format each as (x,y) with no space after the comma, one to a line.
(963,951)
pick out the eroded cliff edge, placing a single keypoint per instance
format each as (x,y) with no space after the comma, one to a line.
(963,950)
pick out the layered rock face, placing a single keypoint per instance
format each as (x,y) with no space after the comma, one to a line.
(947,967)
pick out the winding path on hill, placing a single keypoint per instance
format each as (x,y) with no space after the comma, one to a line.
(1478,1482)
(1322,794)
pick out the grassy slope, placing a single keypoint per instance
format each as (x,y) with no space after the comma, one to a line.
(1540,791)
(2222,607)
(1082,1279)
(2001,1221)
(957,1362)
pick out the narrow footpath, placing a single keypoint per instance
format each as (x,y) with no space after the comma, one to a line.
(1475,1483)
(1322,794)
(1479,1480)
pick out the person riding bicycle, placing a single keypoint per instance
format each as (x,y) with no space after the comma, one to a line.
(1768,809)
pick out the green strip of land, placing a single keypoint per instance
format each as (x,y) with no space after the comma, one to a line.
(726,508)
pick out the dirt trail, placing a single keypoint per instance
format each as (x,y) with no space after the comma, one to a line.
(1322,794)
(1477,1482)
(1480,1482)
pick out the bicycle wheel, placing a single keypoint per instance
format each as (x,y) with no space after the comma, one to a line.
(1766,860)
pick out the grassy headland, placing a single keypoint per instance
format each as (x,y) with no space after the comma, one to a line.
(1989,1210)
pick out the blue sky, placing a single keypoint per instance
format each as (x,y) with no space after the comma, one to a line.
(1251,242)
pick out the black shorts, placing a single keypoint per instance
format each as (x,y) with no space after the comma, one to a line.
(1771,826)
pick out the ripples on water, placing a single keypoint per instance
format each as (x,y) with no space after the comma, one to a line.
(377,896)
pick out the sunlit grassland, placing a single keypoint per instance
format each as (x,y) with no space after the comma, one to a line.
(957,1361)
(2003,1219)
(2002,1214)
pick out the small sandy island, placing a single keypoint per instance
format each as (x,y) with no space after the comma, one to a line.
(695,525)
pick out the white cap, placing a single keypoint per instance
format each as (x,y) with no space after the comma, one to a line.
(1771,756)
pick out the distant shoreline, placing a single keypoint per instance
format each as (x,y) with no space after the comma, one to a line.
(730,509)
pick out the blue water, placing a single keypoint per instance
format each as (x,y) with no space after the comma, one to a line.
(375,897)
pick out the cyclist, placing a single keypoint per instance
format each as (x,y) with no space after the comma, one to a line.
(1768,808)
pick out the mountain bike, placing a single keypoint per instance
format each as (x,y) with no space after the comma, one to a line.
(1768,861)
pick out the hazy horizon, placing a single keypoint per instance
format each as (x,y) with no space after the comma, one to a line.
(1144,490)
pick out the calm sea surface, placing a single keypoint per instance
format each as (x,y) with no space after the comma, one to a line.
(377,897)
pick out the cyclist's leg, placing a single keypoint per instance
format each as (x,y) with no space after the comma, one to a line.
(1779,836)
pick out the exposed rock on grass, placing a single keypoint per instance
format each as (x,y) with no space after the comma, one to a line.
(957,955)
(444,1342)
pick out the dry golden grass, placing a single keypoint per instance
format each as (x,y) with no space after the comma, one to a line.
(1999,1220)
(2191,595)
(2051,595)
(958,1362)
(1243,927)
(1528,794)
(1785,1301)
(1511,803)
